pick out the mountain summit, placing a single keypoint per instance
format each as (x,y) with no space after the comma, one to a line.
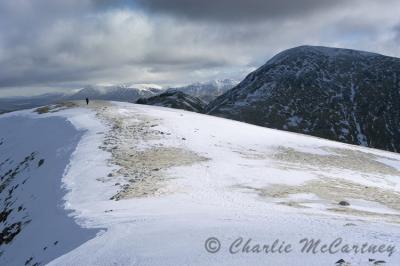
(340,94)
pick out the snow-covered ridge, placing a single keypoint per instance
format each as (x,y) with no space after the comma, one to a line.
(158,182)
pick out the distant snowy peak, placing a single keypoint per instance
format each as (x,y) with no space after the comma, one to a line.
(340,94)
(145,86)
(124,93)
(207,91)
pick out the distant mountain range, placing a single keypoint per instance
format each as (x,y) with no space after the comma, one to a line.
(338,94)
(114,93)
(205,91)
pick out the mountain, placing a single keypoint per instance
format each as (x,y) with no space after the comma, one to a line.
(339,94)
(116,183)
(114,93)
(207,91)
(175,99)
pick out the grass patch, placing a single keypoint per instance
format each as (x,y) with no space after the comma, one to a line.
(53,108)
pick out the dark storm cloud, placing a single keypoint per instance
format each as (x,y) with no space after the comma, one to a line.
(234,10)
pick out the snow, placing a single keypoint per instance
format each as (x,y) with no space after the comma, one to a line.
(362,139)
(145,86)
(225,196)
(368,206)
(294,121)
(49,231)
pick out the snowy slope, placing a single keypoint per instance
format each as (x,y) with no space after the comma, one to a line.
(149,185)
(34,153)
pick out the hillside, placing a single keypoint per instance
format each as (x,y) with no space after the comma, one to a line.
(124,184)
(339,94)
(175,99)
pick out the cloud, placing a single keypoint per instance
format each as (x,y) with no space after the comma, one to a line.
(396,30)
(238,10)
(71,43)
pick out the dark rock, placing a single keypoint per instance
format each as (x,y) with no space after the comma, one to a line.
(40,163)
(344,203)
(28,261)
(340,262)
(9,232)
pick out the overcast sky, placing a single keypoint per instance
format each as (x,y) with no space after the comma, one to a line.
(67,44)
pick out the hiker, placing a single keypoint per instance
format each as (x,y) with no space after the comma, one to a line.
(87,101)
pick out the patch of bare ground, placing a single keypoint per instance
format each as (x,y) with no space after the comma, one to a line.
(353,160)
(144,169)
(133,143)
(53,108)
(330,192)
